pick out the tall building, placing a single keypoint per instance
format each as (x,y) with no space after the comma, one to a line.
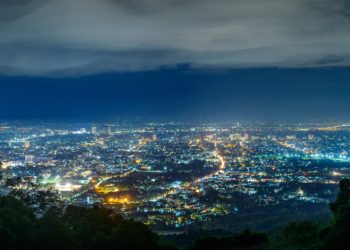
(246,136)
(26,145)
(109,130)
(235,136)
(291,137)
(29,158)
(94,130)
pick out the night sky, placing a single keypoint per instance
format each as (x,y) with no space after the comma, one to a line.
(222,59)
(182,92)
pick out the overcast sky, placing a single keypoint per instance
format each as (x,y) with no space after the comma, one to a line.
(218,58)
(85,37)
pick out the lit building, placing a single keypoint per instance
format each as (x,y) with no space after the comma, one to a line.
(94,130)
(26,144)
(29,158)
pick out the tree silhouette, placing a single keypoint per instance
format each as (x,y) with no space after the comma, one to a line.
(302,235)
(71,228)
(337,233)
(243,240)
(17,224)
(1,174)
(78,228)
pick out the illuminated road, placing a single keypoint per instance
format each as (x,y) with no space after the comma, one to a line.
(113,176)
(221,168)
(102,180)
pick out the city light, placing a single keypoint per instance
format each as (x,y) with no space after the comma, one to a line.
(178,182)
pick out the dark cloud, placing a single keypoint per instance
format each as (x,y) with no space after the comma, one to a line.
(40,37)
(151,6)
(340,8)
(13,9)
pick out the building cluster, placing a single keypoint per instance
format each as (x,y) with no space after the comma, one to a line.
(176,174)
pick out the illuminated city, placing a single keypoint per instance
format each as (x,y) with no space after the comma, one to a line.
(174,125)
(174,175)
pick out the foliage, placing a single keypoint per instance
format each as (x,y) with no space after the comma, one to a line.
(296,235)
(78,228)
(243,240)
(39,199)
(307,235)
(302,235)
(71,228)
(17,224)
(337,233)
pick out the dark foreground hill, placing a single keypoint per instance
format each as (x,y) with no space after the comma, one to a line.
(100,228)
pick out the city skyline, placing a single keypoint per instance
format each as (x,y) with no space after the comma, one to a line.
(178,175)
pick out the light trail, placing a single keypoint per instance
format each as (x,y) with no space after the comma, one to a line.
(221,168)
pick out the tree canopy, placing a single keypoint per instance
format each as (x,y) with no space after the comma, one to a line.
(72,227)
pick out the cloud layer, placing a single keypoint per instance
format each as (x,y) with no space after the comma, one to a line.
(80,37)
